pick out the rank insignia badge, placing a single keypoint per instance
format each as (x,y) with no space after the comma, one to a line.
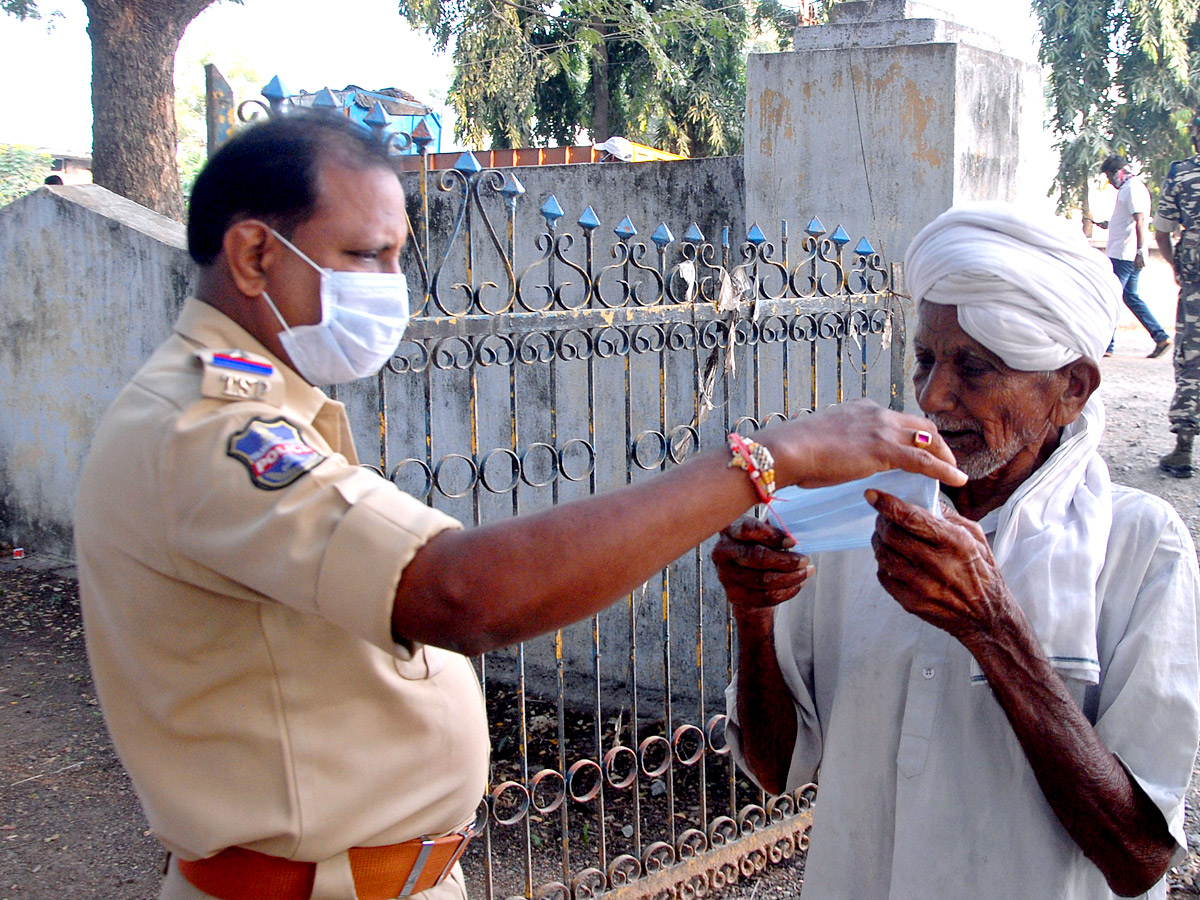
(273,452)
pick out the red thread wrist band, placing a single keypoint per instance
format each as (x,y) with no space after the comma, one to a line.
(757,462)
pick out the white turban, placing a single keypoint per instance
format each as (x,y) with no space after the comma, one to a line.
(1028,287)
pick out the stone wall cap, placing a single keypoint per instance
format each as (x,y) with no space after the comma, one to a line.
(894,33)
(104,202)
(885,11)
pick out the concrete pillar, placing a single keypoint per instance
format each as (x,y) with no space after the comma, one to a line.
(885,117)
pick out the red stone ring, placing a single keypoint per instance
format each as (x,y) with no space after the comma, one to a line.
(922,439)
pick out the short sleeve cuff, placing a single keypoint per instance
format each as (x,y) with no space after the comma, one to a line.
(376,538)
(1165,225)
(1170,805)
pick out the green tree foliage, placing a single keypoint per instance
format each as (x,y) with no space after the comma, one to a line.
(1122,77)
(665,72)
(22,169)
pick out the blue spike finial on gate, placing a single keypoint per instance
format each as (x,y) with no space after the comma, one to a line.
(589,221)
(694,235)
(551,211)
(815,228)
(512,187)
(378,118)
(840,237)
(662,236)
(325,100)
(275,92)
(421,136)
(864,248)
(755,235)
(625,230)
(467,164)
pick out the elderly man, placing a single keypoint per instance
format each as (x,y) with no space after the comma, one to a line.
(279,635)
(1011,709)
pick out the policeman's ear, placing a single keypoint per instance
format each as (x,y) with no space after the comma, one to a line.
(1079,381)
(251,253)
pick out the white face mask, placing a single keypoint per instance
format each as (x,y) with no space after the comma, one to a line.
(363,317)
(838,517)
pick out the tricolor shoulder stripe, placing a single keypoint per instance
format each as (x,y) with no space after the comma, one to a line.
(242,365)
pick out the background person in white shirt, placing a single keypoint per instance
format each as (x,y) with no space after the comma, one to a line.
(1127,244)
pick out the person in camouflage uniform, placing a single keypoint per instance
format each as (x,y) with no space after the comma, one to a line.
(1179,210)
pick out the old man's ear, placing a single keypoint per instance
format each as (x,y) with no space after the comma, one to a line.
(1079,381)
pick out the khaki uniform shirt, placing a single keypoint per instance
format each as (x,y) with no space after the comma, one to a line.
(237,571)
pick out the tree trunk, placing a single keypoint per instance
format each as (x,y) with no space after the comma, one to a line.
(601,101)
(133,97)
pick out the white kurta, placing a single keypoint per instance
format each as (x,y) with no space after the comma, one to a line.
(925,792)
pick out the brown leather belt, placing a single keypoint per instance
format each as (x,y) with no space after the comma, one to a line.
(380,873)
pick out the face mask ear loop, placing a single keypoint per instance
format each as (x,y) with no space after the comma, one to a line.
(300,253)
(275,309)
(324,273)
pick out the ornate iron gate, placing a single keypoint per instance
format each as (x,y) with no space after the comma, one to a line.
(580,358)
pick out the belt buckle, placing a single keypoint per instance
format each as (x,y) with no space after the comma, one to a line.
(464,834)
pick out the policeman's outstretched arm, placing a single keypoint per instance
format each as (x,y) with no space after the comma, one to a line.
(482,588)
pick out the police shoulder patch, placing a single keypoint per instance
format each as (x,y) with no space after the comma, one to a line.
(274,452)
(232,375)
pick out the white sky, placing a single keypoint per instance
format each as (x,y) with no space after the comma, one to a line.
(310,44)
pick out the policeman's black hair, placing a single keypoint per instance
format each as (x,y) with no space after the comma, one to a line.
(270,171)
(1113,164)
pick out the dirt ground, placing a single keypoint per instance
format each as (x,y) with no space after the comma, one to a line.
(70,825)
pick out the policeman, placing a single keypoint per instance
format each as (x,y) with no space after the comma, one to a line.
(1179,211)
(279,636)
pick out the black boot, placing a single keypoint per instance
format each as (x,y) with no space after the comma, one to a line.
(1178,463)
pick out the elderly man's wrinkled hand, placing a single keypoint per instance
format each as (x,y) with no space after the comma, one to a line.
(756,566)
(940,569)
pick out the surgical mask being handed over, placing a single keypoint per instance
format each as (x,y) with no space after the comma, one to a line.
(363,317)
(838,517)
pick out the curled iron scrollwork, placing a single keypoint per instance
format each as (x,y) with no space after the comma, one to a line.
(696,887)
(782,849)
(691,843)
(721,831)
(806,796)
(509,802)
(589,883)
(400,478)
(751,818)
(410,357)
(714,731)
(657,856)
(781,807)
(624,869)
(543,802)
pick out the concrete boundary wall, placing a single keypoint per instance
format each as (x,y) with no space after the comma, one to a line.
(89,284)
